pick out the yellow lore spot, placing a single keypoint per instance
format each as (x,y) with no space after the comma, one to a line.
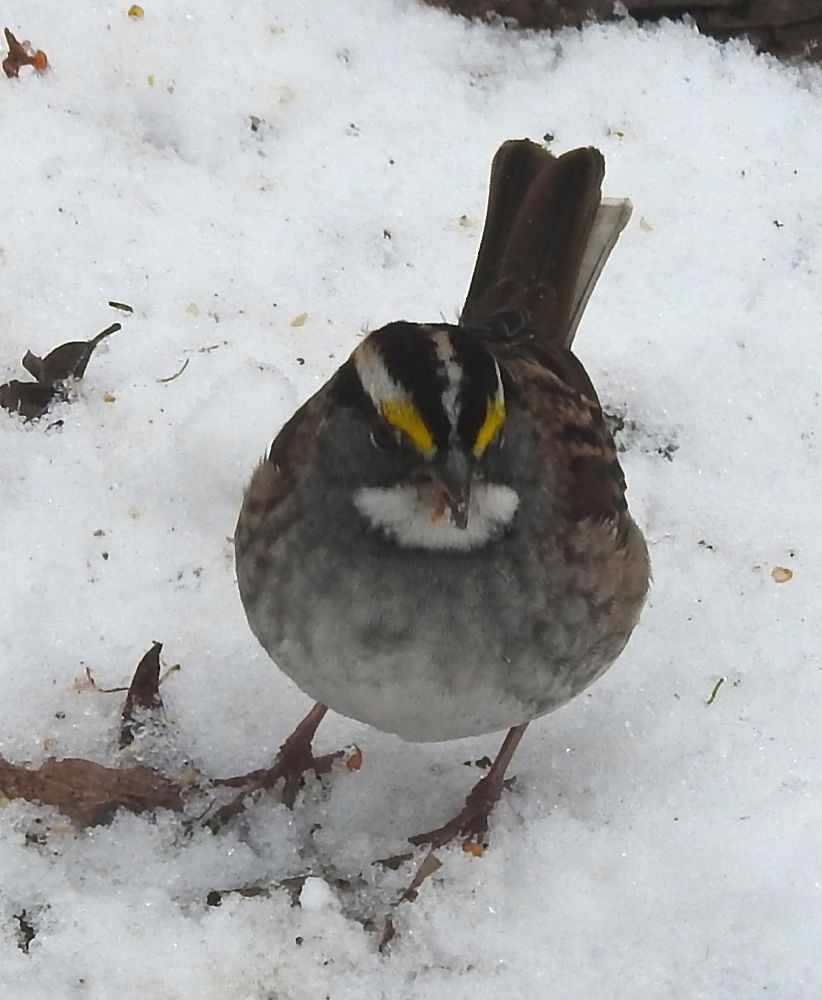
(405,417)
(494,419)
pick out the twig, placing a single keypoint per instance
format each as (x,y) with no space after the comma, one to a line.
(102,690)
(176,374)
(717,686)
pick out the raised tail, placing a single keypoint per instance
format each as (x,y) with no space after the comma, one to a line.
(548,233)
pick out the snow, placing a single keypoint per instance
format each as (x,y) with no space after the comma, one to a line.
(653,846)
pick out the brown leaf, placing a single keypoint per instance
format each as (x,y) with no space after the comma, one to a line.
(429,866)
(143,694)
(19,56)
(34,366)
(29,399)
(395,861)
(389,932)
(89,793)
(69,360)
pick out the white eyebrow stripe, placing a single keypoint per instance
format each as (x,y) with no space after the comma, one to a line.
(500,393)
(374,377)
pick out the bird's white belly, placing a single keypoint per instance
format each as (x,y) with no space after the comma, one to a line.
(431,647)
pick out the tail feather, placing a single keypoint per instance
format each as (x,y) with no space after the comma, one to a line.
(547,236)
(611,218)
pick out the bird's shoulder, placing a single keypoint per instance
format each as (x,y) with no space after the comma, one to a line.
(277,475)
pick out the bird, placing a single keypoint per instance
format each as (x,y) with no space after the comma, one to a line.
(438,542)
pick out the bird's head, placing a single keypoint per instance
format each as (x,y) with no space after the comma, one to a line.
(427,420)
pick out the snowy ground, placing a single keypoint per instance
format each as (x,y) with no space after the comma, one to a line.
(654,846)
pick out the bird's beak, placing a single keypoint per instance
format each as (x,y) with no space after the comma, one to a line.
(453,473)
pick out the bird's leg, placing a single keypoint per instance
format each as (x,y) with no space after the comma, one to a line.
(471,823)
(295,757)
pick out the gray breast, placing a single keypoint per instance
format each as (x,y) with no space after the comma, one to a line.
(426,645)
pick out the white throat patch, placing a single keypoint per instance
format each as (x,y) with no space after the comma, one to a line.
(401,513)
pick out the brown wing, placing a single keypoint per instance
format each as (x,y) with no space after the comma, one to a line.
(574,439)
(267,494)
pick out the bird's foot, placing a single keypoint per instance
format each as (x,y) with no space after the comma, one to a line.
(471,822)
(294,760)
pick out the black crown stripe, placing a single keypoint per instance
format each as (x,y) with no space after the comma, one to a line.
(411,360)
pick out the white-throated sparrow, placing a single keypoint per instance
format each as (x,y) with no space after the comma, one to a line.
(438,543)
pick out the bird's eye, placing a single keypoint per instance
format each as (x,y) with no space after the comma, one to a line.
(382,439)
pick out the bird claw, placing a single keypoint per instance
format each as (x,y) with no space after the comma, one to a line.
(290,767)
(293,760)
(471,822)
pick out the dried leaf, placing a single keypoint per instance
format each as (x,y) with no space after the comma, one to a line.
(71,360)
(29,399)
(89,793)
(395,861)
(21,55)
(430,865)
(34,366)
(143,694)
(67,361)
(389,932)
